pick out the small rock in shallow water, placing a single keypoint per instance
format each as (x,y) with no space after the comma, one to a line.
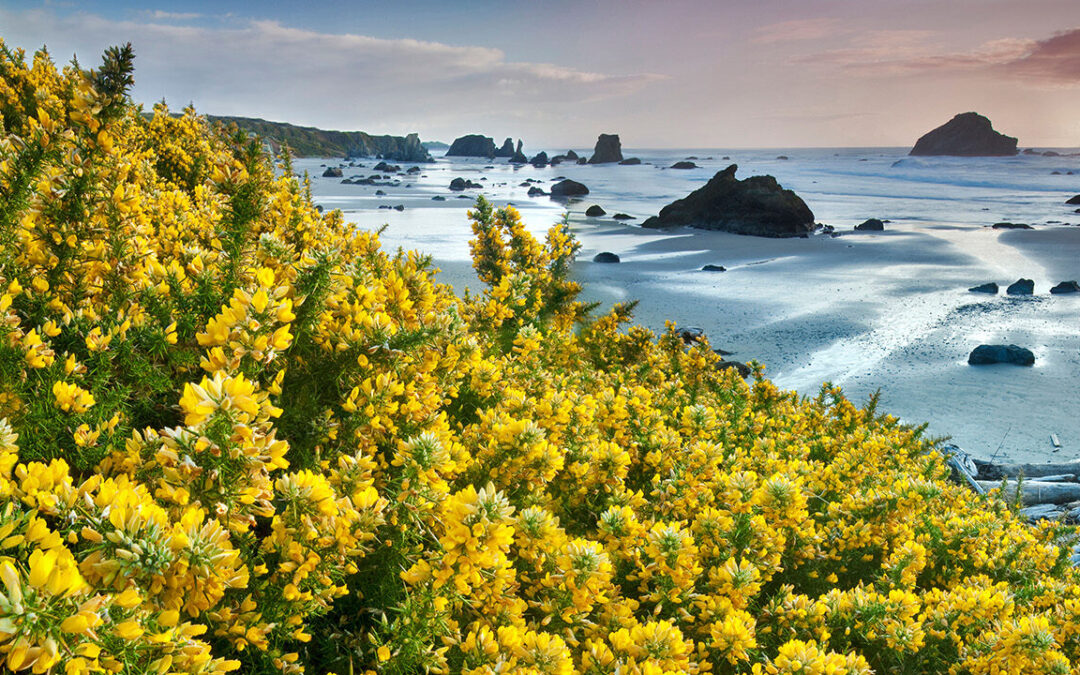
(870,225)
(595,211)
(1021,287)
(623,216)
(714,268)
(1012,226)
(605,257)
(990,287)
(1066,287)
(990,354)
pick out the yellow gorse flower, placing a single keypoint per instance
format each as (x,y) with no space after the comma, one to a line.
(238,435)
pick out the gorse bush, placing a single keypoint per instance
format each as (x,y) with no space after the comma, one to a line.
(236,434)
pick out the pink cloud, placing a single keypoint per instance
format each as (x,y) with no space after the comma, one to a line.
(801,29)
(1055,60)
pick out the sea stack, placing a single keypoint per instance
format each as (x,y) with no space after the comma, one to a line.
(608,150)
(966,135)
(472,145)
(756,206)
(507,149)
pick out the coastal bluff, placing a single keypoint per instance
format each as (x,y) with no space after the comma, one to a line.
(756,206)
(966,135)
(313,142)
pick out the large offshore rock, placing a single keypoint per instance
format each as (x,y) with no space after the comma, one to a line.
(608,150)
(966,135)
(472,145)
(756,206)
(507,149)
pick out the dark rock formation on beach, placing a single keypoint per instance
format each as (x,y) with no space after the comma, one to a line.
(386,168)
(1066,287)
(595,211)
(714,268)
(536,192)
(684,165)
(1012,226)
(1073,200)
(332,172)
(1021,287)
(472,145)
(989,354)
(756,206)
(568,188)
(623,216)
(507,149)
(519,156)
(605,257)
(966,135)
(989,287)
(459,184)
(743,369)
(540,160)
(608,150)
(438,198)
(630,161)
(571,155)
(870,225)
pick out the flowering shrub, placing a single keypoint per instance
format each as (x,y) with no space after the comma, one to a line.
(235,434)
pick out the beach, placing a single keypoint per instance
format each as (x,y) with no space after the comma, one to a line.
(886,312)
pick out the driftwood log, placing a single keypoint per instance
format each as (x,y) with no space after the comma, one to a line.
(1035,491)
(990,471)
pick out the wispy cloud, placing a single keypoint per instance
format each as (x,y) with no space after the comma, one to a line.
(800,29)
(1053,60)
(160,15)
(339,80)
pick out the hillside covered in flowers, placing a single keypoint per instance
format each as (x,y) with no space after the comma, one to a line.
(237,435)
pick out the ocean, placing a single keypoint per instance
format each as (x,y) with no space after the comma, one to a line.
(871,312)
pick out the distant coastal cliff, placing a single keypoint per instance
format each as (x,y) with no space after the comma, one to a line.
(312,142)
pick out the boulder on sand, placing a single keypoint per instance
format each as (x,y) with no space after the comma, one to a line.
(595,211)
(989,354)
(459,184)
(332,172)
(756,206)
(1012,226)
(683,165)
(623,216)
(1066,287)
(568,188)
(630,161)
(966,135)
(608,149)
(1073,200)
(870,225)
(990,287)
(605,257)
(714,268)
(1021,287)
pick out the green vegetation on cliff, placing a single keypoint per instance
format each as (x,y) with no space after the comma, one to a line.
(312,142)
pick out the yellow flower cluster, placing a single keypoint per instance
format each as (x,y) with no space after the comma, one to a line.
(237,435)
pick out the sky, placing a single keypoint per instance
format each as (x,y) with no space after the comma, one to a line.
(674,73)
